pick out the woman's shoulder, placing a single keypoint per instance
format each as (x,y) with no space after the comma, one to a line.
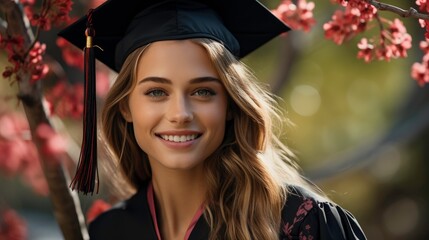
(126,220)
(306,215)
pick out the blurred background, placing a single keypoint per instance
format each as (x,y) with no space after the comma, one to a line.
(360,131)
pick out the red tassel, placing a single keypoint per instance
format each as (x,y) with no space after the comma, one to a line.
(86,176)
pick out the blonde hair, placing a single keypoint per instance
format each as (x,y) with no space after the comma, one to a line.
(247,176)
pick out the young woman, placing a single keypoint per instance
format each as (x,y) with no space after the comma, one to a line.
(193,134)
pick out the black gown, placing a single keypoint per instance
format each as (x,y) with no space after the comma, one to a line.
(304,217)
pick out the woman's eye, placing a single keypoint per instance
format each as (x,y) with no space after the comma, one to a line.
(204,92)
(156,93)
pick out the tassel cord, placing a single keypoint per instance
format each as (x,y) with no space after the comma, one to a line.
(86,177)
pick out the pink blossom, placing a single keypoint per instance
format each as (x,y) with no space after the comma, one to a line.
(33,174)
(384,52)
(19,154)
(11,161)
(71,55)
(53,144)
(350,21)
(367,11)
(32,63)
(419,71)
(65,100)
(14,48)
(341,2)
(98,207)
(343,26)
(35,64)
(299,16)
(55,13)
(399,38)
(423,5)
(12,145)
(424,46)
(366,50)
(12,226)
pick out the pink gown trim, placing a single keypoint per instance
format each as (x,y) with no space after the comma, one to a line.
(151,202)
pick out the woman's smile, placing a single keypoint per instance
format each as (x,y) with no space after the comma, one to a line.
(179,138)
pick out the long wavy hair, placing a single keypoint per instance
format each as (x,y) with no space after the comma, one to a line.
(247,176)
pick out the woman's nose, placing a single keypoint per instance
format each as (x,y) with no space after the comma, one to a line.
(180,110)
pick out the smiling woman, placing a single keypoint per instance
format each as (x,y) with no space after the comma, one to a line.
(193,132)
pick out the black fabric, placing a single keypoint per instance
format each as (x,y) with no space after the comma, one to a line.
(307,216)
(121,26)
(304,216)
(130,219)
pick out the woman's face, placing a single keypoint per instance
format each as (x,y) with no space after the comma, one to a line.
(178,107)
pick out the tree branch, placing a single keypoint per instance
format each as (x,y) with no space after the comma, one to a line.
(66,204)
(411,12)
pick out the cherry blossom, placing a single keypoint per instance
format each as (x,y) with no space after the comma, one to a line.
(12,226)
(98,207)
(53,144)
(31,63)
(35,63)
(13,46)
(344,26)
(299,16)
(356,17)
(419,71)
(352,20)
(400,39)
(65,100)
(71,54)
(19,154)
(52,12)
(367,11)
(423,5)
(366,50)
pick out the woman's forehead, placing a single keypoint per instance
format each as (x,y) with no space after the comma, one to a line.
(175,59)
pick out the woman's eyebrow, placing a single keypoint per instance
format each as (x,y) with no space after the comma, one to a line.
(204,79)
(155,79)
(168,81)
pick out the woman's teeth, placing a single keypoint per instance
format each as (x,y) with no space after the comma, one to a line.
(179,138)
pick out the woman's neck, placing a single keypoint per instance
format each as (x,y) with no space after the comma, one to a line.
(178,196)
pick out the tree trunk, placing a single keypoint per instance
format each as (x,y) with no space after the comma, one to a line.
(66,205)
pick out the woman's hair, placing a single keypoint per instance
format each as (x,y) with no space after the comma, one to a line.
(120,145)
(247,176)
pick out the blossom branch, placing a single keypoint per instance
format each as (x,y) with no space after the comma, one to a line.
(65,203)
(411,12)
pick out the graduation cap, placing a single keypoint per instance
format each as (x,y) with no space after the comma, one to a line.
(121,26)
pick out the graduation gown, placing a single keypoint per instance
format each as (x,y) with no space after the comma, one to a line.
(304,216)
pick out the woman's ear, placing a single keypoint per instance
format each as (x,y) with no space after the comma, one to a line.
(125,111)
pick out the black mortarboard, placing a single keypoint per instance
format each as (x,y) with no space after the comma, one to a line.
(124,25)
(121,26)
